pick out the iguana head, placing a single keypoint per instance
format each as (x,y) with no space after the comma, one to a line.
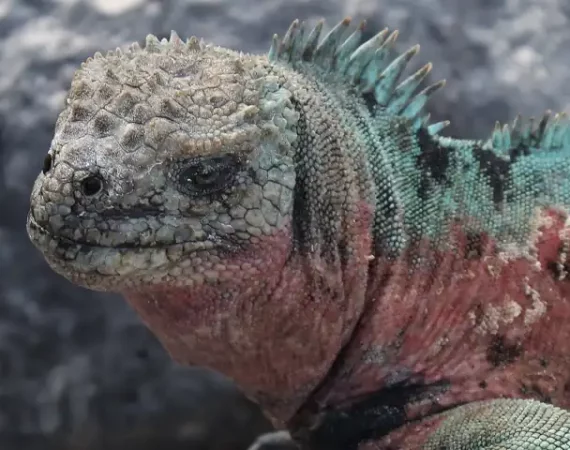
(173,178)
(163,155)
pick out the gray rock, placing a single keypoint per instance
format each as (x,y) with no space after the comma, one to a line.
(79,367)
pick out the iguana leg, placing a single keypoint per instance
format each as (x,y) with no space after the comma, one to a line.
(506,424)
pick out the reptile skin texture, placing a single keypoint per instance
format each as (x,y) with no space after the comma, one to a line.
(295,221)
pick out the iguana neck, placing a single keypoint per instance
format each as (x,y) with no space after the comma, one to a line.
(274,327)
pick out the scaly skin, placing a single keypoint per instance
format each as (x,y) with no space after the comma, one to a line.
(293,221)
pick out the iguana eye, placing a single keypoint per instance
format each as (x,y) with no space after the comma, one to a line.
(207,176)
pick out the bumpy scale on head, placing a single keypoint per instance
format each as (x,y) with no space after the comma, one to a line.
(161,152)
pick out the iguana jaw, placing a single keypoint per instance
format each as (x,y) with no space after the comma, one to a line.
(104,268)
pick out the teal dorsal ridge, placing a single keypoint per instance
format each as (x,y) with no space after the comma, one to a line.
(549,133)
(372,67)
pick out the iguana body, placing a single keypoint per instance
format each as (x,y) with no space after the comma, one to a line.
(293,221)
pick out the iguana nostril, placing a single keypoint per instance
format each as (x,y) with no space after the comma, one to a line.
(47,164)
(91,185)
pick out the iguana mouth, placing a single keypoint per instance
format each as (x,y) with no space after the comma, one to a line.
(39,232)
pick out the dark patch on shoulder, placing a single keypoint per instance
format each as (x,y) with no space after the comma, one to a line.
(501,352)
(300,197)
(311,222)
(497,170)
(433,161)
(369,418)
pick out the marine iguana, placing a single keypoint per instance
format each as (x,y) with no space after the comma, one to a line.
(295,221)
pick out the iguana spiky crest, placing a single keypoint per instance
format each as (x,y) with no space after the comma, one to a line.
(367,66)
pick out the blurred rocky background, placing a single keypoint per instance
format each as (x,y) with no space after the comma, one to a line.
(77,369)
